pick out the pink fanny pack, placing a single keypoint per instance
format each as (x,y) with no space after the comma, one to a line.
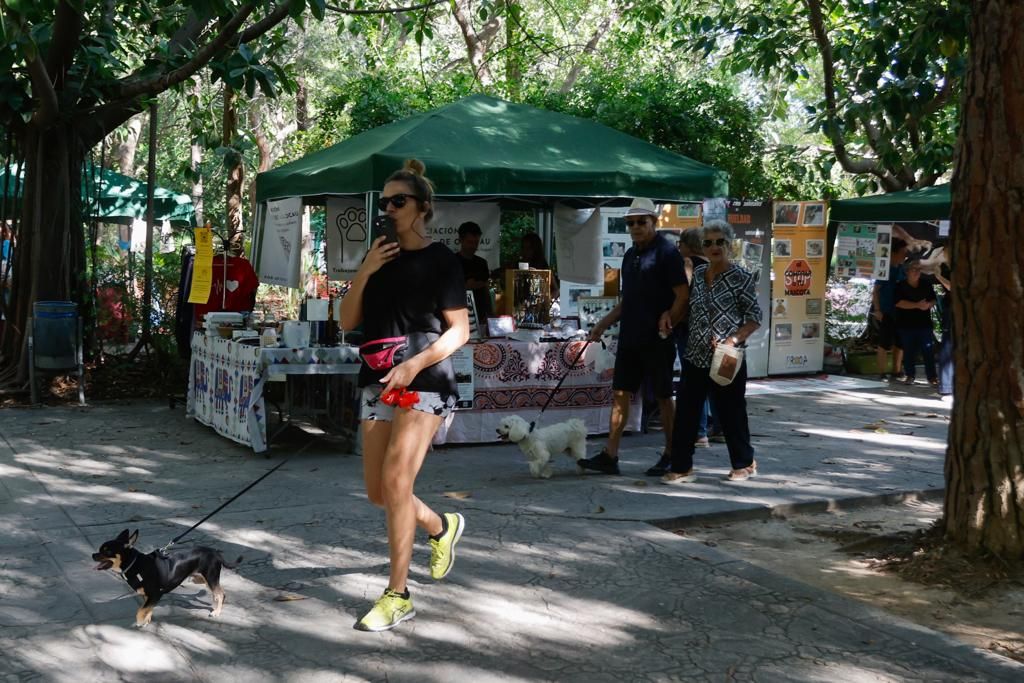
(380,354)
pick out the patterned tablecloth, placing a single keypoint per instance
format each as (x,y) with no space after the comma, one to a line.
(226,380)
(515,378)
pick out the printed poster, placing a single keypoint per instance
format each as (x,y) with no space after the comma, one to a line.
(797,320)
(345,234)
(462,363)
(751,221)
(863,250)
(281,249)
(202,267)
(448,216)
(579,252)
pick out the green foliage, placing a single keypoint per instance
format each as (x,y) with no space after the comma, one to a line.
(898,67)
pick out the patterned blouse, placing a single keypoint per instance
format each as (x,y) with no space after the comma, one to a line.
(719,311)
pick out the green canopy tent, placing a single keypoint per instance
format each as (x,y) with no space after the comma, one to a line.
(112,198)
(483,146)
(925,204)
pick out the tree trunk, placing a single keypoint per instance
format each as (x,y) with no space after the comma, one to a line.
(234,223)
(196,153)
(50,254)
(301,106)
(984,508)
(124,151)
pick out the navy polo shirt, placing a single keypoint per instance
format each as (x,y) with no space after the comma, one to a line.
(648,276)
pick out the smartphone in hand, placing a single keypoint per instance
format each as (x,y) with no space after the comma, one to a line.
(384,226)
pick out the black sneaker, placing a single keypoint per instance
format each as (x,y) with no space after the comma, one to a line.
(661,467)
(602,462)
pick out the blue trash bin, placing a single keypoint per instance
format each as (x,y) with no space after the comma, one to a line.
(55,334)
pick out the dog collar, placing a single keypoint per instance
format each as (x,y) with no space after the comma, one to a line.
(124,572)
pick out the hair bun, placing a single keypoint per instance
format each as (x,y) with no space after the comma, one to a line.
(414,166)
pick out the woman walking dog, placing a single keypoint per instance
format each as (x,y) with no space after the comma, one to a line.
(410,297)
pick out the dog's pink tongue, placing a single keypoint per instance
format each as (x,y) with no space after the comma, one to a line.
(104,564)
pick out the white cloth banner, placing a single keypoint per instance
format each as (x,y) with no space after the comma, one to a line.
(345,234)
(281,252)
(138,236)
(448,216)
(578,236)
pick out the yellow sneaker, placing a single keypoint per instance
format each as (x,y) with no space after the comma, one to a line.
(442,551)
(390,610)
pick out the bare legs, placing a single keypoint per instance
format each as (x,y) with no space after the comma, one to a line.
(617,424)
(393,453)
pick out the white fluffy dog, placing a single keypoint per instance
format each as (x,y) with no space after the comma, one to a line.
(569,437)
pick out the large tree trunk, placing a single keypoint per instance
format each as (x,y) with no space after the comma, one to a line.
(124,151)
(234,223)
(50,252)
(985,463)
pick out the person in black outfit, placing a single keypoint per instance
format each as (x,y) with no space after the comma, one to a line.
(915,297)
(653,283)
(475,269)
(408,293)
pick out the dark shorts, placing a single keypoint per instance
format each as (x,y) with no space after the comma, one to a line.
(884,332)
(652,361)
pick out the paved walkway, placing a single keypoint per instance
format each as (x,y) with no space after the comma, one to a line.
(558,580)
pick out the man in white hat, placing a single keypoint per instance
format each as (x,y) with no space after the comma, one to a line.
(653,282)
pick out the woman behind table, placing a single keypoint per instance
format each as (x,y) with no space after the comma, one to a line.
(723,310)
(915,297)
(413,290)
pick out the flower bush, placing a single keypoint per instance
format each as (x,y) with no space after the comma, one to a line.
(847,306)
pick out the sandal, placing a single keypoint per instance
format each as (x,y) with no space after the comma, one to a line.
(743,473)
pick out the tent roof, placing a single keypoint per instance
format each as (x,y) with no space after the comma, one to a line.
(925,204)
(484,146)
(120,197)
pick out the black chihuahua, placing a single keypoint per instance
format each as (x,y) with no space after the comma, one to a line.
(158,573)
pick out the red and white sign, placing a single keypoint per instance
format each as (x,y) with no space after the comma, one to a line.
(798,278)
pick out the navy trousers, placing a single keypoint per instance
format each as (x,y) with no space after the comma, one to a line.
(730,410)
(918,340)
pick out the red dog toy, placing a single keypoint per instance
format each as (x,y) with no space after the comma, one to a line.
(401,398)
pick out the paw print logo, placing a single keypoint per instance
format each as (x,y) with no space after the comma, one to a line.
(286,245)
(351,224)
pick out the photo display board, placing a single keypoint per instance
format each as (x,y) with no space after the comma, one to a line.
(797,312)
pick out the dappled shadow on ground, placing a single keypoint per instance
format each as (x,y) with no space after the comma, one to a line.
(537,594)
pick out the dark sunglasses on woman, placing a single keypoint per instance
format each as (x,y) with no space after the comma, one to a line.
(720,242)
(398,200)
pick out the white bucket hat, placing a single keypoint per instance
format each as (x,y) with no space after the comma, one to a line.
(642,207)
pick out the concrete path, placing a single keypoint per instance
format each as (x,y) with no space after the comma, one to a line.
(558,580)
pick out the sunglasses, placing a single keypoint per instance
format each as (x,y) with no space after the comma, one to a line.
(720,242)
(638,221)
(398,200)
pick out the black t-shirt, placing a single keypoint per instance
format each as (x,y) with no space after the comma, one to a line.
(475,268)
(648,277)
(407,297)
(912,318)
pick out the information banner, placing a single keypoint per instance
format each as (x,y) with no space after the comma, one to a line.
(281,251)
(448,216)
(202,267)
(345,234)
(863,250)
(797,311)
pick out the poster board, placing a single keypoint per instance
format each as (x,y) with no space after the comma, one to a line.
(797,313)
(613,240)
(863,250)
(345,236)
(593,308)
(751,222)
(462,365)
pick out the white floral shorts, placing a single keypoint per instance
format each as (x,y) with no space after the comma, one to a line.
(372,408)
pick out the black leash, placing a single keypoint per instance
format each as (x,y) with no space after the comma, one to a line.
(234,497)
(558,386)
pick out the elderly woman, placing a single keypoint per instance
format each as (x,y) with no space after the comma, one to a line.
(723,310)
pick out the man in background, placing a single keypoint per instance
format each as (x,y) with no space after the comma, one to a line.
(475,269)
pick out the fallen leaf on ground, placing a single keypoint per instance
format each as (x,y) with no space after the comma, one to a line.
(639,482)
(457,495)
(599,509)
(288,597)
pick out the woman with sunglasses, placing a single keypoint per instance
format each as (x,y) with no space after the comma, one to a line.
(723,310)
(410,297)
